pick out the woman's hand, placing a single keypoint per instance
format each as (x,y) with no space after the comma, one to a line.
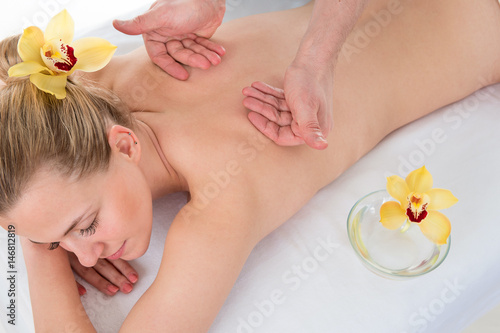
(108,276)
(177,32)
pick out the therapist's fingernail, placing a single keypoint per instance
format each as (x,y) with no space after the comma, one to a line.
(320,139)
(133,278)
(113,289)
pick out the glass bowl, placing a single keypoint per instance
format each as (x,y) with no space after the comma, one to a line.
(394,254)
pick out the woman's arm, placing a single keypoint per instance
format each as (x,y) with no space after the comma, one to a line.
(54,297)
(203,256)
(204,253)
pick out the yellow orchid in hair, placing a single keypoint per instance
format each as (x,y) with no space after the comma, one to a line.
(418,203)
(48,58)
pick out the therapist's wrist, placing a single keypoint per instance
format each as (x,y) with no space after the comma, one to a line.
(313,55)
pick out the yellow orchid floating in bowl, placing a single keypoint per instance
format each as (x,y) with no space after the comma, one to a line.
(50,56)
(418,203)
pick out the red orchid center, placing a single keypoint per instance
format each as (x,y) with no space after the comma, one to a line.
(58,57)
(417,207)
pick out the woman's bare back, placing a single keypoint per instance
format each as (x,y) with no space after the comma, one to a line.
(428,54)
(202,125)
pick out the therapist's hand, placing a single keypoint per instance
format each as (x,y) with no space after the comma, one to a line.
(301,113)
(107,276)
(270,114)
(176,32)
(309,94)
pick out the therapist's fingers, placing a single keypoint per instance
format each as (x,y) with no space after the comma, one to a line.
(271,115)
(151,20)
(281,135)
(269,102)
(159,55)
(281,118)
(309,126)
(183,55)
(189,51)
(194,45)
(210,45)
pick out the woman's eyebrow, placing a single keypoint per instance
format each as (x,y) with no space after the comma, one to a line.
(73,224)
(76,221)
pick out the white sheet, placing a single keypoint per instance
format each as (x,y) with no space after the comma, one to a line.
(334,292)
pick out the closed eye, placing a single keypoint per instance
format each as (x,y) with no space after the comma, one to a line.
(53,246)
(91,229)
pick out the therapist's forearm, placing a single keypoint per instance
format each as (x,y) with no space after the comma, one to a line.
(53,292)
(331,22)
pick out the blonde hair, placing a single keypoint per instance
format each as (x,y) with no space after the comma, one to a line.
(36,129)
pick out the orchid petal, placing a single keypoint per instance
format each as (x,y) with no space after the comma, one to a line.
(61,27)
(26,68)
(436,227)
(92,53)
(398,189)
(30,43)
(52,84)
(392,216)
(419,180)
(441,199)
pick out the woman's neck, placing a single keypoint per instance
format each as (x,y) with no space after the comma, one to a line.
(160,175)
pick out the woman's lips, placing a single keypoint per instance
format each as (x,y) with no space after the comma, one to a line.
(118,253)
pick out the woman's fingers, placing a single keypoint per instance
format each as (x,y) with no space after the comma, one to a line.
(90,275)
(111,273)
(81,289)
(106,276)
(126,269)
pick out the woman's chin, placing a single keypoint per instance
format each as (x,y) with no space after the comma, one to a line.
(135,253)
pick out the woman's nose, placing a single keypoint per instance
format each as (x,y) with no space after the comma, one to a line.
(87,253)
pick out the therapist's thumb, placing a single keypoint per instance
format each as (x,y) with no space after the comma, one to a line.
(138,25)
(309,128)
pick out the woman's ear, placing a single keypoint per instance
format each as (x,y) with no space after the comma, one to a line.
(123,140)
